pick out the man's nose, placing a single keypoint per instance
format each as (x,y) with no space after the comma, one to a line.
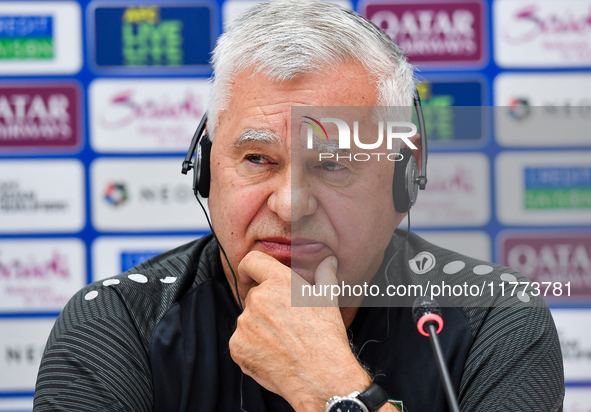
(293,199)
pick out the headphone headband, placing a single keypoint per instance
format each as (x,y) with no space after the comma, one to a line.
(187,165)
(422,179)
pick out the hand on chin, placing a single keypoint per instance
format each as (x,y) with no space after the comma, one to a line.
(306,274)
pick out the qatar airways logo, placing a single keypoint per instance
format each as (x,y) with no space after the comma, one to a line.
(390,133)
(433,32)
(39,117)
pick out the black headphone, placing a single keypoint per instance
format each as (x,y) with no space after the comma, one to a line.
(405,186)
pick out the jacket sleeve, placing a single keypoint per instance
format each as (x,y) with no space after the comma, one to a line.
(515,363)
(94,359)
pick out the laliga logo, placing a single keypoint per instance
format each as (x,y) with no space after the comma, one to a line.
(345,137)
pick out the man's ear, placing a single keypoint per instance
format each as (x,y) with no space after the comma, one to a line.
(416,140)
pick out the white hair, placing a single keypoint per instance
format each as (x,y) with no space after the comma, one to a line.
(287,38)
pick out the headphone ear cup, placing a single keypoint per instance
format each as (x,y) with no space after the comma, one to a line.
(404,186)
(201,172)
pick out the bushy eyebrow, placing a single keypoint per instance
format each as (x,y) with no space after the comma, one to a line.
(257,136)
(324,146)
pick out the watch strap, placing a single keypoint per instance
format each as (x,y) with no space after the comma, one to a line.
(373,397)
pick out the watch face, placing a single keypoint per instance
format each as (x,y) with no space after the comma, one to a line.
(347,405)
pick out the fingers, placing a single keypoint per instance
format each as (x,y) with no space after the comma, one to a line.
(260,266)
(325,279)
(326,273)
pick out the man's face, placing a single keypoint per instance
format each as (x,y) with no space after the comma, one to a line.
(295,208)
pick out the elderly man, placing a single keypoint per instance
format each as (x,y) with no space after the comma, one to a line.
(210,326)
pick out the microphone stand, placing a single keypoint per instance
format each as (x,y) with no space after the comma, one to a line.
(442,367)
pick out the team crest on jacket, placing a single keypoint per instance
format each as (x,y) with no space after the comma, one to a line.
(422,263)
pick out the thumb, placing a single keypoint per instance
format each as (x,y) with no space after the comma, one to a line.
(326,274)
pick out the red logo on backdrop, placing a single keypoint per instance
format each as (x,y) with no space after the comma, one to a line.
(433,32)
(38,116)
(124,108)
(551,258)
(56,267)
(529,23)
(460,181)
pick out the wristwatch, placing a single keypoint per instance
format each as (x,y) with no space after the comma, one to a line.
(370,400)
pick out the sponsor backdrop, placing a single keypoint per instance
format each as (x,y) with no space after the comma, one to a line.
(99,101)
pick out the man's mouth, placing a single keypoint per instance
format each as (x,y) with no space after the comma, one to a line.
(302,255)
(294,248)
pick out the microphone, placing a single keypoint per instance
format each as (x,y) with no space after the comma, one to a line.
(424,310)
(427,315)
